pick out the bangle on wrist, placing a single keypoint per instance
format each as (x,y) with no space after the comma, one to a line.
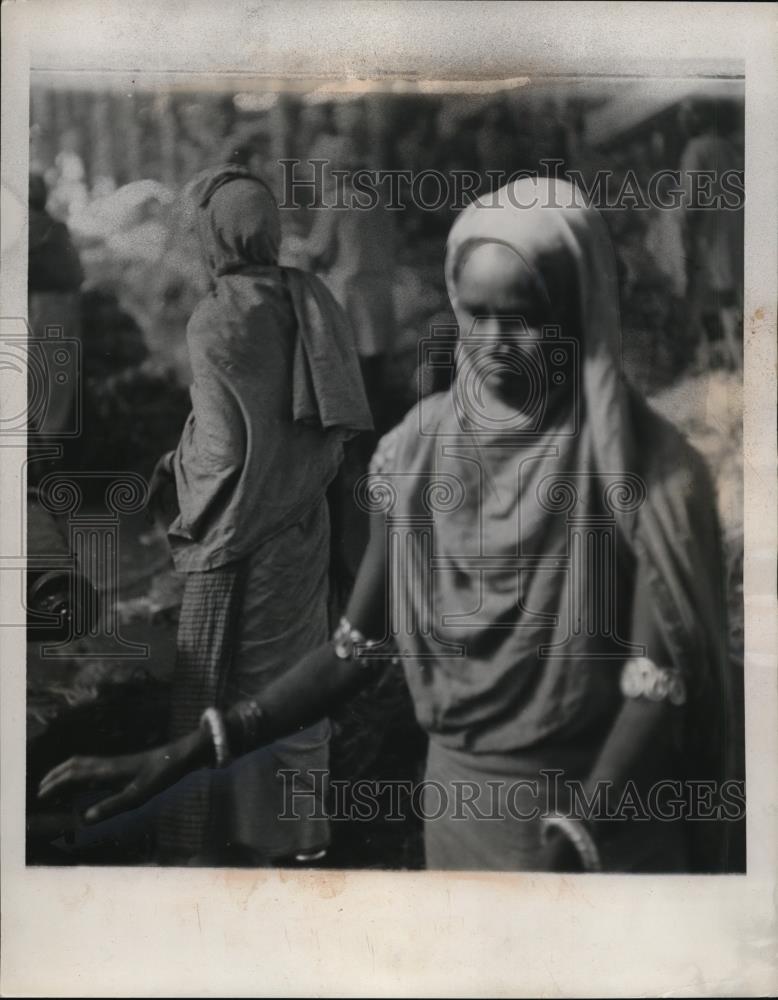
(212,722)
(247,727)
(346,641)
(642,678)
(346,637)
(577,832)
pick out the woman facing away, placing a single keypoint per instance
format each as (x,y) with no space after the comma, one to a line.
(544,559)
(275,392)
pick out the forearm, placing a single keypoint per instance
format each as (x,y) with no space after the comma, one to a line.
(321,680)
(641,734)
(309,691)
(640,744)
(315,686)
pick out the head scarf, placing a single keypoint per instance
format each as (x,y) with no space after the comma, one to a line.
(240,231)
(547,223)
(237,220)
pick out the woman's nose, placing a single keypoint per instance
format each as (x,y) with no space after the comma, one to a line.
(488,328)
(504,328)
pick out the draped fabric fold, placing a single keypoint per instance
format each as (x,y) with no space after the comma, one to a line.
(328,388)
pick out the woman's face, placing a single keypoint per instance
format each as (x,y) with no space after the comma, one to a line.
(502,314)
(500,310)
(498,297)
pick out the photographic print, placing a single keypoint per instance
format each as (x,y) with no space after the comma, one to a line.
(380,467)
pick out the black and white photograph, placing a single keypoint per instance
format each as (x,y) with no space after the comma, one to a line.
(381,470)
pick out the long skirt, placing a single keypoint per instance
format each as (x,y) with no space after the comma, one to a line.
(271,611)
(482,813)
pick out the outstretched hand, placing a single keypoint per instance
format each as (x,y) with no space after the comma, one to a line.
(138,777)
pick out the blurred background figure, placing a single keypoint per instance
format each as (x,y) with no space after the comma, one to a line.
(354,250)
(251,146)
(315,122)
(54,279)
(349,118)
(69,193)
(53,260)
(713,237)
(495,143)
(550,135)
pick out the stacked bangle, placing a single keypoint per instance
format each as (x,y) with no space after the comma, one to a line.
(247,727)
(213,722)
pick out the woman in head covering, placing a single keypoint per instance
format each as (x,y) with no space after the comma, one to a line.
(712,233)
(275,392)
(547,548)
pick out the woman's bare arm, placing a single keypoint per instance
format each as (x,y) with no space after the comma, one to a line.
(643,730)
(320,681)
(641,734)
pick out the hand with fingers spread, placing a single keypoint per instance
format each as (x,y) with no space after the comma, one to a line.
(138,777)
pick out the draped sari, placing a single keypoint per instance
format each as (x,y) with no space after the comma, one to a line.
(515,546)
